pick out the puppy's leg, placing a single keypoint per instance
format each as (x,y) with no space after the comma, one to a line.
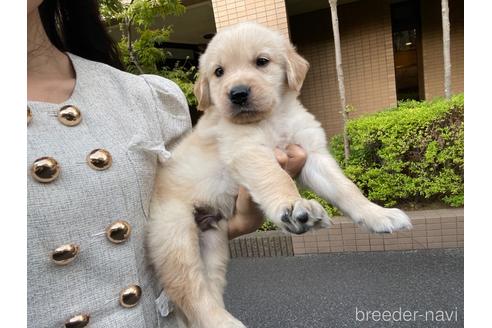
(181,318)
(322,174)
(214,247)
(275,191)
(174,250)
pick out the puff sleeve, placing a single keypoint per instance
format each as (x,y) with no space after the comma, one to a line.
(172,115)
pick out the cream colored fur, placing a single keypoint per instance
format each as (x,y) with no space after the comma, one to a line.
(233,146)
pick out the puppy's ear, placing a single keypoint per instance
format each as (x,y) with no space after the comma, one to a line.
(202,93)
(296,68)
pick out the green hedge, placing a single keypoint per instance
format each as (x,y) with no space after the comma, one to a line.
(409,154)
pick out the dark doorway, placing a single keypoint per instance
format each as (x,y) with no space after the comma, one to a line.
(405,23)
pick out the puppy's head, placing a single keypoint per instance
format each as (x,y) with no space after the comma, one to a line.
(246,70)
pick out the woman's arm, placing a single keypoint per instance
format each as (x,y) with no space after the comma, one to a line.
(248,217)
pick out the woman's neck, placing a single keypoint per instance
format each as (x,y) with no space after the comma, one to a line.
(50,75)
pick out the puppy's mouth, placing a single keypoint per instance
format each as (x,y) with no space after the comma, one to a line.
(243,114)
(243,110)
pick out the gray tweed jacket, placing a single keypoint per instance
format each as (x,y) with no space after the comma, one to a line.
(133,118)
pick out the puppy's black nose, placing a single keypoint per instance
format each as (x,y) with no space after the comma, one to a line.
(239,94)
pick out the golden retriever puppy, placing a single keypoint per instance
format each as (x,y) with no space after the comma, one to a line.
(250,78)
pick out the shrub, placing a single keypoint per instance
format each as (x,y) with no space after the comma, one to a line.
(267,226)
(412,153)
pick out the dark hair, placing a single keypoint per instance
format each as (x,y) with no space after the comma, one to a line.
(76,26)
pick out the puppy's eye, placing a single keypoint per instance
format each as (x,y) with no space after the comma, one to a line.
(219,71)
(262,61)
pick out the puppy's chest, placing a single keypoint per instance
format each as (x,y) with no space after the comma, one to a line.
(279,134)
(218,190)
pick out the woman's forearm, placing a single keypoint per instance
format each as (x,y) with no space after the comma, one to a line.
(244,223)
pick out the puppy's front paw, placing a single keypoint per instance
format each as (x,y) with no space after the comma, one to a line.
(379,219)
(304,215)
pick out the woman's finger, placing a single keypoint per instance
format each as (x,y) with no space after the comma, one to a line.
(296,159)
(282,157)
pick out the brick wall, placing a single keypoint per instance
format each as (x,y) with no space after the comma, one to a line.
(262,244)
(367,54)
(432,46)
(431,229)
(271,13)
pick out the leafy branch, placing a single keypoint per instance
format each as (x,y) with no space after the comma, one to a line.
(140,54)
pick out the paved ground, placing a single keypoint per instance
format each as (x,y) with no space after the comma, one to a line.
(324,291)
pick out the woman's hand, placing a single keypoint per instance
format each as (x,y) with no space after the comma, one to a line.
(249,217)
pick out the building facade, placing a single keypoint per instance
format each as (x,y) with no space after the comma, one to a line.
(391,49)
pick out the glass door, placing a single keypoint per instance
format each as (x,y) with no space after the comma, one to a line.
(405,25)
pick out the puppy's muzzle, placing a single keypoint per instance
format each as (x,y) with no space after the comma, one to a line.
(239,95)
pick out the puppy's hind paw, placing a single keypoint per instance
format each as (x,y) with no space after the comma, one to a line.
(220,318)
(231,323)
(383,220)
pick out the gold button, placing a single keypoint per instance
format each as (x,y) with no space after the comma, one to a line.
(65,254)
(45,169)
(79,321)
(29,115)
(99,159)
(118,231)
(130,296)
(69,115)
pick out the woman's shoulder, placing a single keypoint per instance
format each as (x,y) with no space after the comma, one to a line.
(164,93)
(158,99)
